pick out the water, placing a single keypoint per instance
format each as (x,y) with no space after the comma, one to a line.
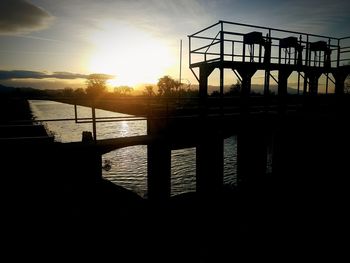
(129,165)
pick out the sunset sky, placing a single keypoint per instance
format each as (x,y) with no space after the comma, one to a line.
(57,43)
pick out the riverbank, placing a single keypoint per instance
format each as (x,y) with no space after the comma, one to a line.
(16,121)
(14,110)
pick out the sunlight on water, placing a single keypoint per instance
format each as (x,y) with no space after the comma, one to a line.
(129,165)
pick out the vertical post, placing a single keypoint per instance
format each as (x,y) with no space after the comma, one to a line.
(300,54)
(75,113)
(313,79)
(260,50)
(307,52)
(159,171)
(339,77)
(94,122)
(283,76)
(307,63)
(189,50)
(180,61)
(279,55)
(305,83)
(209,164)
(267,82)
(204,72)
(251,157)
(222,47)
(267,61)
(221,90)
(243,55)
(338,55)
(233,50)
(158,161)
(246,74)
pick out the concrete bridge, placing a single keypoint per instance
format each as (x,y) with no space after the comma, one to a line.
(292,125)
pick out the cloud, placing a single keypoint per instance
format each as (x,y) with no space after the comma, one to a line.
(21,16)
(26,74)
(318,17)
(66,75)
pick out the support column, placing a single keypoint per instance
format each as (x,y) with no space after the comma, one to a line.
(339,77)
(87,161)
(158,161)
(313,77)
(159,171)
(246,75)
(283,76)
(204,72)
(251,157)
(210,164)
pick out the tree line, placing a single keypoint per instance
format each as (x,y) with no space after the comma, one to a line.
(96,86)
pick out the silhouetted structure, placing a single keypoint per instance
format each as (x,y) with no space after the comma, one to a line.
(305,192)
(225,44)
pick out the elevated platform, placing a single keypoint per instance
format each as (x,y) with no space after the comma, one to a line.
(235,42)
(248,48)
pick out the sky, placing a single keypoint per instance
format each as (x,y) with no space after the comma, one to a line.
(57,44)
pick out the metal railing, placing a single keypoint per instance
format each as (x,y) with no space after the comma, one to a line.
(224,41)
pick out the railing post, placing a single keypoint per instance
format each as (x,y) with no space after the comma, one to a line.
(94,122)
(251,156)
(209,164)
(338,55)
(158,161)
(189,51)
(307,51)
(222,52)
(75,113)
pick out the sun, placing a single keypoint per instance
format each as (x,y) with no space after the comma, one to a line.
(131,55)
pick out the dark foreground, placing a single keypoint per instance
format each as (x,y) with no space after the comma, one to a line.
(53,215)
(54,207)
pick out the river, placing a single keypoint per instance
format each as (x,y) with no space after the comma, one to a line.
(128,166)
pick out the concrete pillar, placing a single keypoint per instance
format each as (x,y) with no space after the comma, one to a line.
(158,161)
(159,171)
(251,157)
(210,164)
(283,76)
(246,76)
(339,77)
(204,72)
(86,161)
(312,76)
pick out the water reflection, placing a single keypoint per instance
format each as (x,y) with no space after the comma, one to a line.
(129,165)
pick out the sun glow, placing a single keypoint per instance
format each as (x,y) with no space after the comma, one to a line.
(129,54)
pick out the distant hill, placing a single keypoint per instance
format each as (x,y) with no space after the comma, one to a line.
(257,88)
(5,89)
(20,91)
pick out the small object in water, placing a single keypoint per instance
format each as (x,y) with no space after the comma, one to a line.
(107,165)
(87,136)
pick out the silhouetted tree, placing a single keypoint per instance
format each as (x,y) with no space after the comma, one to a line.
(149,91)
(215,93)
(67,92)
(123,90)
(96,84)
(167,86)
(235,89)
(79,92)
